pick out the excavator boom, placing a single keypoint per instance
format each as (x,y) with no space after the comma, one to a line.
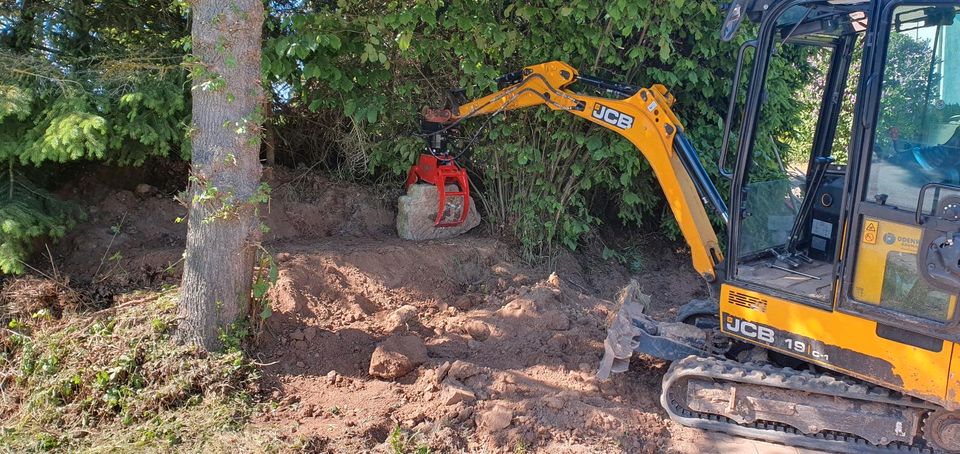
(644,118)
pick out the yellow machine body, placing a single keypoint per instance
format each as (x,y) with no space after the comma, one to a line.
(846,342)
(842,342)
(645,119)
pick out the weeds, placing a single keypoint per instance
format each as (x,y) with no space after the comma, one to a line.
(402,442)
(519,447)
(631,257)
(115,380)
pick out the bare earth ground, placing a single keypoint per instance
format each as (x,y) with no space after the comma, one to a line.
(510,352)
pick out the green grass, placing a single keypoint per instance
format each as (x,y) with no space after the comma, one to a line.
(114,381)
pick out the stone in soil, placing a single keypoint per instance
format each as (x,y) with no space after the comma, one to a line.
(397,356)
(454,392)
(399,318)
(497,418)
(554,402)
(460,370)
(441,372)
(477,330)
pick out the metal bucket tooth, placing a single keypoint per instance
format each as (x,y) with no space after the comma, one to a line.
(622,339)
(631,330)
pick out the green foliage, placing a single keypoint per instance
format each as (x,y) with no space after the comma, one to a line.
(265,276)
(104,84)
(402,442)
(543,177)
(27,214)
(348,78)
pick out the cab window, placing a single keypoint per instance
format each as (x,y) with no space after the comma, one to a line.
(917,139)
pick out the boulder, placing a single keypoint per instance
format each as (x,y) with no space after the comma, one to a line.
(417,212)
(397,356)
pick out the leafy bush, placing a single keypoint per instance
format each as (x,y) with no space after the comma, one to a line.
(543,177)
(348,79)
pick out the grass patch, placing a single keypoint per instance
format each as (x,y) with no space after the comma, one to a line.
(113,380)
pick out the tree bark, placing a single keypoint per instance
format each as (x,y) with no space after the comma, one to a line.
(222,227)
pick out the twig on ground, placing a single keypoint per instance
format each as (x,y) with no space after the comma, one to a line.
(116,232)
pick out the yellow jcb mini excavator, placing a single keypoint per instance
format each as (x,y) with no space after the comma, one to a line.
(834,324)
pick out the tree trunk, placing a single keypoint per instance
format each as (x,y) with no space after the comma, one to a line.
(223,227)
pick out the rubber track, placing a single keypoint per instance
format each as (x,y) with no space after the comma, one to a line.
(784,378)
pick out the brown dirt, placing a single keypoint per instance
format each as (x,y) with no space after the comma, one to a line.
(337,298)
(511,352)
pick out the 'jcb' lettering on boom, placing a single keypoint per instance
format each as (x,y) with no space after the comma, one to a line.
(612,116)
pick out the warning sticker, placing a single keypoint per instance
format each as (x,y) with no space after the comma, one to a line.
(870,229)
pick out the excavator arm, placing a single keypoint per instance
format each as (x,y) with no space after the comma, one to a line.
(644,117)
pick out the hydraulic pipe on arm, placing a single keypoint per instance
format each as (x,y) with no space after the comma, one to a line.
(644,117)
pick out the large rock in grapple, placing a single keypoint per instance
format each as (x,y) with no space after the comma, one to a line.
(417,211)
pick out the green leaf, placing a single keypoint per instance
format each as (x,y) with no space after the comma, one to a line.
(594,143)
(334,41)
(403,42)
(630,198)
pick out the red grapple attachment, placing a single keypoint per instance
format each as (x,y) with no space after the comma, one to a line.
(429,169)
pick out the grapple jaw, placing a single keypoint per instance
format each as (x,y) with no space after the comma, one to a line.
(452,185)
(438,167)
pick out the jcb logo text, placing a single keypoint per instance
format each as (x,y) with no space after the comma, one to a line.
(748,329)
(614,117)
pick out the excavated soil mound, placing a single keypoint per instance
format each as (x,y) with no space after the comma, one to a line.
(510,352)
(132,238)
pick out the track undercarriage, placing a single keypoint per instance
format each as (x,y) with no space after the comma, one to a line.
(760,400)
(799,408)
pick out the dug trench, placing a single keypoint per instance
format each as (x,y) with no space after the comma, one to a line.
(376,344)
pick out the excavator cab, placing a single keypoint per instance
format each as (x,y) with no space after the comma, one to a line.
(843,247)
(790,189)
(856,219)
